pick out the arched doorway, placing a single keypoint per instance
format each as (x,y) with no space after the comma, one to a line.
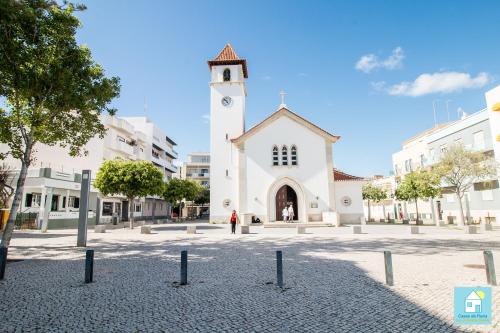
(285,197)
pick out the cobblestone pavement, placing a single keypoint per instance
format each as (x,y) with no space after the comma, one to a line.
(333,281)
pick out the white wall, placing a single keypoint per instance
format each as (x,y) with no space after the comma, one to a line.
(353,190)
(225,120)
(311,172)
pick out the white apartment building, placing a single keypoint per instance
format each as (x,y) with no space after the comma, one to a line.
(478,132)
(52,187)
(196,168)
(159,149)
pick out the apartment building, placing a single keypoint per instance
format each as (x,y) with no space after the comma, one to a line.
(159,149)
(52,187)
(477,132)
(196,168)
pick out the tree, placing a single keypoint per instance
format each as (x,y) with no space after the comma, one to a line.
(421,184)
(178,189)
(53,90)
(460,169)
(132,179)
(374,193)
(203,198)
(6,189)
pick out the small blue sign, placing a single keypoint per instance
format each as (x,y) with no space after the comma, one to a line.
(472,305)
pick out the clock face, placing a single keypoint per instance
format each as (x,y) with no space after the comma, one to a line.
(226,101)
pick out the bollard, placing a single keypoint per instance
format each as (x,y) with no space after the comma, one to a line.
(3,261)
(490,268)
(89,266)
(184,267)
(389,279)
(279,268)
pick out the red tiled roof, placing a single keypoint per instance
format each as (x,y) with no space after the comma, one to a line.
(339,175)
(228,57)
(227,53)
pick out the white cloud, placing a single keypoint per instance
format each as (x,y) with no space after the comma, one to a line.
(441,82)
(369,62)
(206,118)
(266,77)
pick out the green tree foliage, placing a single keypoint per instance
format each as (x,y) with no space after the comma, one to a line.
(177,190)
(373,193)
(53,90)
(459,169)
(6,188)
(203,198)
(132,179)
(416,185)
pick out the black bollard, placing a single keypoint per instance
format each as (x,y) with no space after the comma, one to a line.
(89,266)
(184,267)
(279,268)
(3,261)
(490,268)
(389,279)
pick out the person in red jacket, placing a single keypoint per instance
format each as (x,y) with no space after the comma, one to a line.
(233,220)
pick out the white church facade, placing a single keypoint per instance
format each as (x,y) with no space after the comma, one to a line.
(284,160)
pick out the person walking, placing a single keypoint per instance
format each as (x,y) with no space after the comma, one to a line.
(284,212)
(291,213)
(233,220)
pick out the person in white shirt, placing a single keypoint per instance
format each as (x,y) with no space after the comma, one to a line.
(291,213)
(285,214)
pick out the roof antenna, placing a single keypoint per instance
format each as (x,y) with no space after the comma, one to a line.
(434,108)
(145,108)
(447,109)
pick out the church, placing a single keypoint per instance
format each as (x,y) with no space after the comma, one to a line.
(283,160)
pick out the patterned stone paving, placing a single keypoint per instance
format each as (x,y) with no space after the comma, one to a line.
(333,281)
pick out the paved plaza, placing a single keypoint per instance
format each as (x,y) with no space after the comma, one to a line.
(334,280)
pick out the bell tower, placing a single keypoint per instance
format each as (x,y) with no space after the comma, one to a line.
(227,121)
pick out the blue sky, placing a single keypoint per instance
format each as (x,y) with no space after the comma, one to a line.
(368,71)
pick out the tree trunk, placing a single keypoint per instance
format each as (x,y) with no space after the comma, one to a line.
(369,211)
(154,208)
(460,217)
(16,202)
(416,208)
(131,212)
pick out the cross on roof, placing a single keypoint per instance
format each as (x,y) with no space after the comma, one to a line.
(282,105)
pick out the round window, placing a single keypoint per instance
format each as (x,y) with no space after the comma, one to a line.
(346,201)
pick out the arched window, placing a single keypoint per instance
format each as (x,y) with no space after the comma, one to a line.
(227,74)
(276,160)
(284,155)
(293,153)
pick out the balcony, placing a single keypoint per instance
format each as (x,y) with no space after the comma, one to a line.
(122,147)
(119,124)
(170,167)
(170,152)
(198,175)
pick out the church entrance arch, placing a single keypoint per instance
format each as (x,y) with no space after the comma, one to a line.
(282,192)
(285,197)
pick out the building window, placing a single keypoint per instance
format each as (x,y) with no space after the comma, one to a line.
(74,202)
(284,155)
(294,155)
(442,149)
(275,156)
(422,160)
(479,140)
(107,208)
(33,200)
(227,74)
(138,208)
